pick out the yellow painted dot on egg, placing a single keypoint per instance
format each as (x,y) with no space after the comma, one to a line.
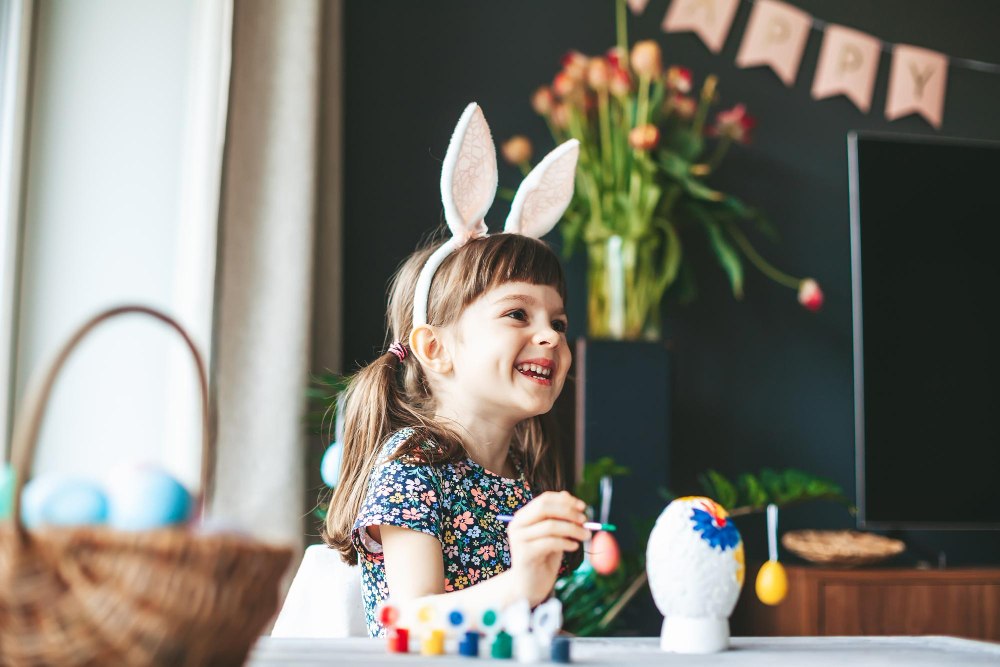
(772,583)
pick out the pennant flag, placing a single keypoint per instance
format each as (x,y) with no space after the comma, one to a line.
(776,35)
(709,19)
(917,81)
(637,6)
(848,62)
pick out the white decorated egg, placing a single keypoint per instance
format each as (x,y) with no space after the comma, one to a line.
(695,565)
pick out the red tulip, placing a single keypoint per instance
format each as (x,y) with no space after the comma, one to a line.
(734,123)
(575,65)
(617,57)
(621,83)
(563,85)
(810,295)
(679,79)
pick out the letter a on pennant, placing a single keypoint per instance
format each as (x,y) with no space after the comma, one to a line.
(709,19)
(917,81)
(848,62)
(776,35)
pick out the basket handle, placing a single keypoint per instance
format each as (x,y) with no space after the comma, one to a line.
(28,423)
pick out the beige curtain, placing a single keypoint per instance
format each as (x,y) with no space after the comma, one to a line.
(270,206)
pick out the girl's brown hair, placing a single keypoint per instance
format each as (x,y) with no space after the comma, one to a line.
(389,394)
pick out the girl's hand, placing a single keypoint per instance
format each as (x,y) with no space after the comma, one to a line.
(539,534)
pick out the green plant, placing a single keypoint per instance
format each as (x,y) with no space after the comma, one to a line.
(753,493)
(647,152)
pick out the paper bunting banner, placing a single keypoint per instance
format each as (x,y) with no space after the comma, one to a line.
(637,6)
(709,19)
(848,62)
(917,81)
(775,35)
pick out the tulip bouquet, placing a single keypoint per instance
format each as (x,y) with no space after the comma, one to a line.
(647,149)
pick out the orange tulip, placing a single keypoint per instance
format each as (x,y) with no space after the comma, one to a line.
(597,74)
(644,137)
(516,150)
(646,60)
(542,100)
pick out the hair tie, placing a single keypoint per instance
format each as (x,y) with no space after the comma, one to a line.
(398,349)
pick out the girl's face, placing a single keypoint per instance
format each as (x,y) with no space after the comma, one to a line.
(509,352)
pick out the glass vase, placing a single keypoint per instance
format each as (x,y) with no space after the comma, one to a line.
(622,299)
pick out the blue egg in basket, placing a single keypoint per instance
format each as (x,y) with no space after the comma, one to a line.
(146,497)
(329,467)
(6,490)
(58,499)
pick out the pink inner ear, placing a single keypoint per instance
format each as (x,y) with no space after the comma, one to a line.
(474,182)
(546,203)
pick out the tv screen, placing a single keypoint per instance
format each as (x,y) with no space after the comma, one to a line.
(925,247)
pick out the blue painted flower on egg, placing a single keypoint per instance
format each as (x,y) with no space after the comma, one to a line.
(715,528)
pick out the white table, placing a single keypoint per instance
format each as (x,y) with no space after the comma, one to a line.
(745,651)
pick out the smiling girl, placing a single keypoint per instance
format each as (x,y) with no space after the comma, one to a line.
(443,431)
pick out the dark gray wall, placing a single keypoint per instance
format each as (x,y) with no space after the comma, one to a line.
(758,383)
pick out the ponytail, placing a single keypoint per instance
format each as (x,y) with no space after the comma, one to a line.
(372,405)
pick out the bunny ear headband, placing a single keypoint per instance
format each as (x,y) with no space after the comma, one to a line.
(469,184)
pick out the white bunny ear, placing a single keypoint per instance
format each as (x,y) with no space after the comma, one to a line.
(469,175)
(545,193)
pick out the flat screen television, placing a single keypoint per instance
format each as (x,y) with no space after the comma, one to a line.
(925,255)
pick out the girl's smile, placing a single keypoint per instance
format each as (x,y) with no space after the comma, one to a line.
(538,370)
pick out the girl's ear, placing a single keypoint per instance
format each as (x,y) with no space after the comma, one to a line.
(427,346)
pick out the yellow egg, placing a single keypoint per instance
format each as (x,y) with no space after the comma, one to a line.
(604,553)
(772,583)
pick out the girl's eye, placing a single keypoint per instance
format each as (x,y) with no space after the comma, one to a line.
(559,326)
(518,314)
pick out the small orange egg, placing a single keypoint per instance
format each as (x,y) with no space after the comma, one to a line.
(604,553)
(772,583)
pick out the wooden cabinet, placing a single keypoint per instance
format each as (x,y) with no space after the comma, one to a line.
(877,601)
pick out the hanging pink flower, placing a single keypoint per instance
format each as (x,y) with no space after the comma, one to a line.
(679,79)
(810,295)
(734,123)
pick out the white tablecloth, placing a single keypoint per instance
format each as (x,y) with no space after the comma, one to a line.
(618,652)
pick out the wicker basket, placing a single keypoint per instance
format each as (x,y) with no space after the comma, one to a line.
(841,547)
(97,596)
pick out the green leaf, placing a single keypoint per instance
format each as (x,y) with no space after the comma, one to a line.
(753,491)
(588,488)
(728,257)
(720,489)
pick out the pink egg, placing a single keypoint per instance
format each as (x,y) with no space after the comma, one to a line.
(604,553)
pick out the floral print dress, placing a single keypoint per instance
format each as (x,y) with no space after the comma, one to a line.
(455,502)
